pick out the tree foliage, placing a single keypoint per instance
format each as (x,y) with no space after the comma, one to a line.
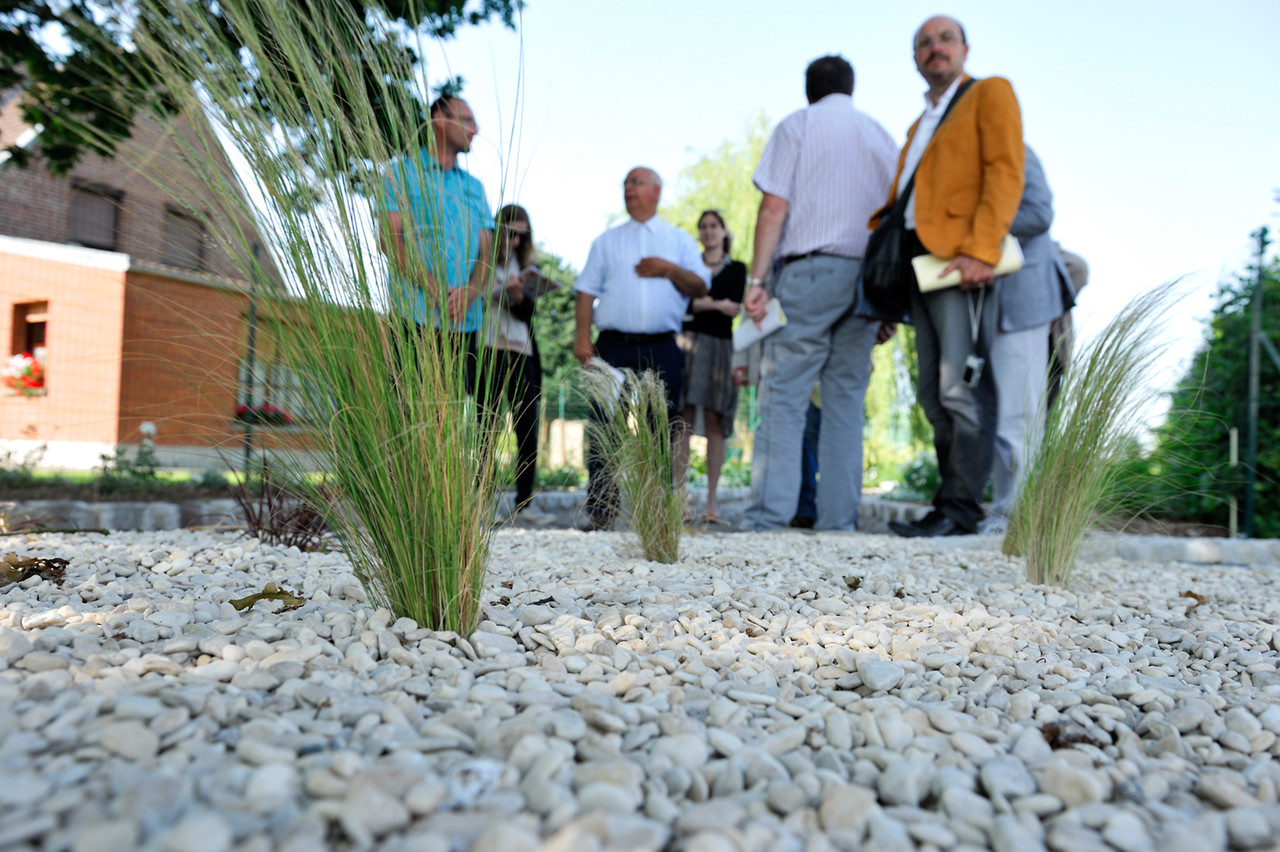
(1189,472)
(553,328)
(73,60)
(721,181)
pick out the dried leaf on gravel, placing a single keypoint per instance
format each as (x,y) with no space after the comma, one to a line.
(1199,599)
(15,568)
(270,592)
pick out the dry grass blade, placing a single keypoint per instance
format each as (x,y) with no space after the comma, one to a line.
(1099,414)
(634,441)
(395,433)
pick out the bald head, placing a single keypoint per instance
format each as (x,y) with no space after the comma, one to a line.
(640,192)
(940,48)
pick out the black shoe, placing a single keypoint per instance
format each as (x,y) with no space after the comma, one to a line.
(802,522)
(593,521)
(931,525)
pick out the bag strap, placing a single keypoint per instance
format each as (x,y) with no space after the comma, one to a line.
(900,204)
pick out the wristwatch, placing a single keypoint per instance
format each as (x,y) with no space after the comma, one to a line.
(754,282)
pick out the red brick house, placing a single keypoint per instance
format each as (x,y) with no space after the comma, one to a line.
(133,311)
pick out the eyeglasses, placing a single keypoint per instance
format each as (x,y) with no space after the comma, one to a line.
(638,182)
(512,233)
(924,42)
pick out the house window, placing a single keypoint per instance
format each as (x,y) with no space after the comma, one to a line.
(23,372)
(95,216)
(29,322)
(183,240)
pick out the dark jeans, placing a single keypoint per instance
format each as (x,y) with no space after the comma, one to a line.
(963,417)
(460,345)
(518,379)
(807,507)
(665,359)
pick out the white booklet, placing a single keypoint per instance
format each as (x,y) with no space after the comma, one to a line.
(929,266)
(746,332)
(617,377)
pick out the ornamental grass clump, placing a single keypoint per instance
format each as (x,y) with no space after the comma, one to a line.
(314,130)
(1078,465)
(634,441)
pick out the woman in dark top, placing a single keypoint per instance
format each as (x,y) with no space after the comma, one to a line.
(710,394)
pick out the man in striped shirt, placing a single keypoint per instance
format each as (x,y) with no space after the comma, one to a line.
(826,168)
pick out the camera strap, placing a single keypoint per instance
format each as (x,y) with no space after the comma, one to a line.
(975,316)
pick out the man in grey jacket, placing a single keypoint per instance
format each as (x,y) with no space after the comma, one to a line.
(1029,300)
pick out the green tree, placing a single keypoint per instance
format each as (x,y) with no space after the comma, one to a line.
(721,181)
(1189,476)
(553,328)
(896,429)
(84,87)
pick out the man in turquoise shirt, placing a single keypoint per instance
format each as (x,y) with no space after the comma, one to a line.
(437,222)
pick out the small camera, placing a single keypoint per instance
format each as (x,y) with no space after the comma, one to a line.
(973,370)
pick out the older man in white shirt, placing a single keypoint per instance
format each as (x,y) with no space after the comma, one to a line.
(635,288)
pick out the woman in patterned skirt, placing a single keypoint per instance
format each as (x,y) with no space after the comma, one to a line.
(710,399)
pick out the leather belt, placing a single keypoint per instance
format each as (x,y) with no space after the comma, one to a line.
(608,335)
(792,258)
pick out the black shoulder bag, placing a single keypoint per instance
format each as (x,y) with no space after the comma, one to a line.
(884,282)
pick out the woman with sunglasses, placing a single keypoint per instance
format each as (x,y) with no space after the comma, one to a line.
(511,361)
(710,392)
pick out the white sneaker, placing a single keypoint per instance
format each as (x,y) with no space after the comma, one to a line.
(993,525)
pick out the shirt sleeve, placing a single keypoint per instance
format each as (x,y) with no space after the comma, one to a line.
(591,278)
(482,217)
(392,186)
(776,172)
(735,281)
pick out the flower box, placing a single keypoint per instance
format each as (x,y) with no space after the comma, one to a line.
(263,414)
(23,375)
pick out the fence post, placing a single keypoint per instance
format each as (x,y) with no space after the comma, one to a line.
(1255,364)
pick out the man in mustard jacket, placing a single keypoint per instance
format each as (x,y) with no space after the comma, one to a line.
(968,182)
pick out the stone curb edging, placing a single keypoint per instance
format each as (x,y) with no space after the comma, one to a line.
(563,508)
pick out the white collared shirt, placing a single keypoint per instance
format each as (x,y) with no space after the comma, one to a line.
(924,132)
(833,165)
(625,301)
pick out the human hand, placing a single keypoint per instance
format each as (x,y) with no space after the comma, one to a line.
(583,349)
(428,286)
(654,267)
(515,288)
(458,302)
(740,376)
(756,303)
(885,332)
(973,272)
(728,307)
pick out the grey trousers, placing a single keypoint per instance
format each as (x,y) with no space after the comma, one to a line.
(1019,359)
(963,416)
(822,342)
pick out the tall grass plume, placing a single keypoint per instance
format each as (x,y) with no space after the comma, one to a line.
(316,131)
(633,438)
(1088,435)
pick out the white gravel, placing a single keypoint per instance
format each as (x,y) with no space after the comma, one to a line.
(746,698)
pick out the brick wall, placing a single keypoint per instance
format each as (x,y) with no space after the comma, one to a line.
(86,311)
(180,353)
(152,170)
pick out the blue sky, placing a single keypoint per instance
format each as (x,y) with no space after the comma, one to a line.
(1157,123)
